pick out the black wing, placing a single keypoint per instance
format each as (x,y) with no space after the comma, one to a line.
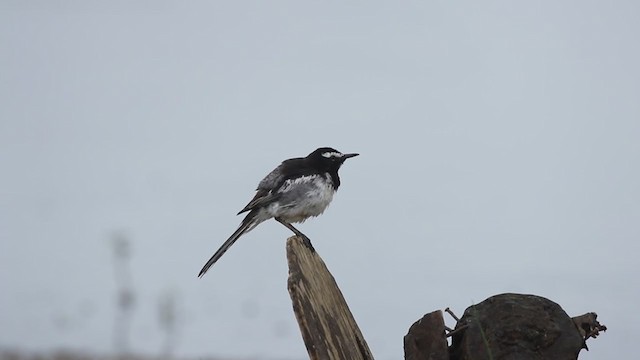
(267,191)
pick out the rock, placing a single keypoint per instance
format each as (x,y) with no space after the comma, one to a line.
(516,326)
(426,339)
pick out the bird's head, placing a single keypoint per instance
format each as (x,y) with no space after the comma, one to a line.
(329,158)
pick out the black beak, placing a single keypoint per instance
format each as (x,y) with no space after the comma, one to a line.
(346,156)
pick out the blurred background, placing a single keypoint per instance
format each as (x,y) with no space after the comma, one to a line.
(499,153)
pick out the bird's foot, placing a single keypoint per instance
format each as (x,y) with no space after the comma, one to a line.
(307,243)
(305,240)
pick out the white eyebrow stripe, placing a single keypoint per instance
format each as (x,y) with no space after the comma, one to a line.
(329,154)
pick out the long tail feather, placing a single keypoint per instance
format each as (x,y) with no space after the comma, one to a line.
(247,225)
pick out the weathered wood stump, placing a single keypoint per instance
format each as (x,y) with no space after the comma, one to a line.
(327,325)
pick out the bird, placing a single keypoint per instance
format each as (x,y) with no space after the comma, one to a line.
(297,189)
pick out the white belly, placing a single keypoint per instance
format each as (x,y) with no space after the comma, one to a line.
(303,198)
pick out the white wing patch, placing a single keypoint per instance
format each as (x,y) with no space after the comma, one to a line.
(289,184)
(330,154)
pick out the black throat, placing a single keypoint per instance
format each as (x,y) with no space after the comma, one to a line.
(309,166)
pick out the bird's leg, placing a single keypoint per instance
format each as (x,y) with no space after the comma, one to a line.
(291,227)
(304,237)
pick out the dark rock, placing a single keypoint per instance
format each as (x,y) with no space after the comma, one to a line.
(515,326)
(426,339)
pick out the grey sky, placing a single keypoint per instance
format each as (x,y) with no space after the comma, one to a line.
(499,153)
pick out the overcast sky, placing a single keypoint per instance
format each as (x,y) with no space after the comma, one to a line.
(499,146)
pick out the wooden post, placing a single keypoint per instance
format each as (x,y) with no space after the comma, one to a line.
(327,325)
